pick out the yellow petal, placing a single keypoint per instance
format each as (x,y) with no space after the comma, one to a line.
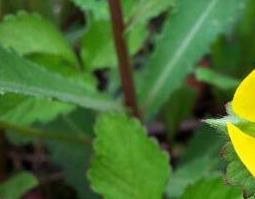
(244,146)
(243,103)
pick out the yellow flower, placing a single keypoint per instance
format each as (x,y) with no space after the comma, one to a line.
(243,105)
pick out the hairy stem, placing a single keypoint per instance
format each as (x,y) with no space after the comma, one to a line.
(125,68)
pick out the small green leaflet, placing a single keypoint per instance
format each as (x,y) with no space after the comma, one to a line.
(31,34)
(21,76)
(127,163)
(17,185)
(186,37)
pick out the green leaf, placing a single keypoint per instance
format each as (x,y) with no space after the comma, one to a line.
(24,110)
(27,110)
(179,107)
(147,9)
(98,8)
(201,160)
(31,34)
(211,189)
(75,173)
(226,57)
(17,186)
(98,46)
(127,164)
(68,137)
(76,124)
(186,37)
(206,142)
(218,80)
(21,76)
(98,50)
(189,173)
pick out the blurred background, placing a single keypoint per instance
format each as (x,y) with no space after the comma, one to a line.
(58,162)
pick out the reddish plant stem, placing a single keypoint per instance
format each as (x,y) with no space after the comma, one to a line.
(124,62)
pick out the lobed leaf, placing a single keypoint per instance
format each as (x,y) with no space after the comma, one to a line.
(127,163)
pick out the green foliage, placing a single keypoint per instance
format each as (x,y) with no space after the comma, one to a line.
(95,54)
(45,84)
(98,8)
(189,173)
(211,189)
(17,186)
(75,168)
(235,55)
(147,9)
(127,163)
(17,76)
(220,81)
(30,28)
(187,36)
(179,107)
(98,46)
(199,161)
(76,124)
(139,11)
(51,44)
(13,107)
